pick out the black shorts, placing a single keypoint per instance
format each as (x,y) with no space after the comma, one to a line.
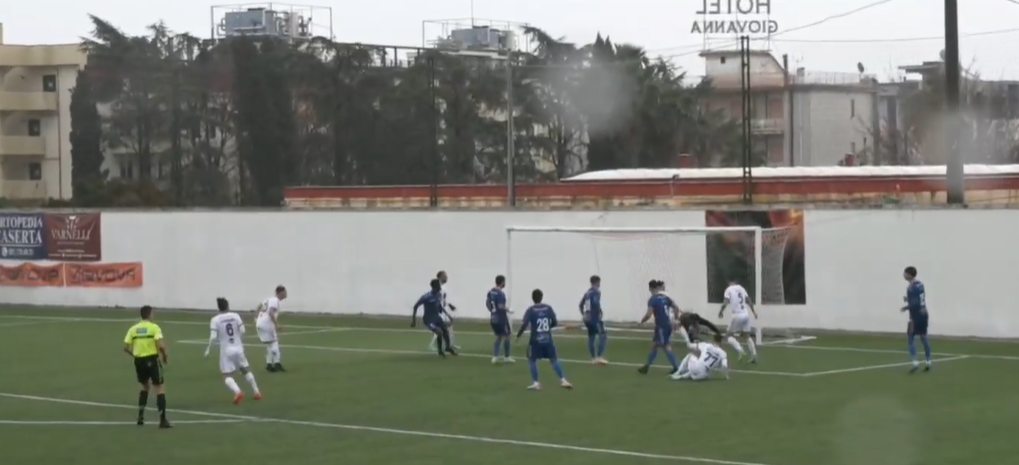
(149,370)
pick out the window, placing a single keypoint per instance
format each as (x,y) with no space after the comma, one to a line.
(35,171)
(852,108)
(34,127)
(127,170)
(722,60)
(49,83)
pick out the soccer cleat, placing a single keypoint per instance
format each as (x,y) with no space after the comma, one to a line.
(258,396)
(496,360)
(601,361)
(674,371)
(141,421)
(508,360)
(238,398)
(594,361)
(753,360)
(163,424)
(451,352)
(534,387)
(914,369)
(269,368)
(927,368)
(644,369)
(278,367)
(676,376)
(565,384)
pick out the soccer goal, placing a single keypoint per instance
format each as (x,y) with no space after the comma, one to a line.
(696,263)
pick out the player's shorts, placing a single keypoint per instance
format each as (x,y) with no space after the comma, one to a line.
(501,328)
(740,324)
(266,331)
(435,324)
(230,360)
(149,370)
(917,327)
(595,328)
(541,351)
(663,334)
(698,370)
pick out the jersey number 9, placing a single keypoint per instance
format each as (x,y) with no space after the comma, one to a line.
(543,325)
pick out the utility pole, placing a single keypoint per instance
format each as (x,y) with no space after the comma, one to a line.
(748,158)
(433,196)
(955,181)
(511,191)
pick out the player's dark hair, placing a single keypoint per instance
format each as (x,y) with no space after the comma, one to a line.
(435,285)
(280,288)
(537,295)
(500,280)
(146,312)
(595,280)
(222,304)
(911,271)
(652,284)
(440,273)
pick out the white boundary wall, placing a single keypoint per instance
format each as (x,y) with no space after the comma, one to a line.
(380,262)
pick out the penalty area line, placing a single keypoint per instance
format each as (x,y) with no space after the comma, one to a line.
(110,423)
(879,367)
(401,432)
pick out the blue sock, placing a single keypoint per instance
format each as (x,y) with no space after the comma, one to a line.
(506,347)
(533,365)
(926,348)
(603,340)
(495,349)
(558,369)
(912,348)
(672,358)
(652,356)
(590,344)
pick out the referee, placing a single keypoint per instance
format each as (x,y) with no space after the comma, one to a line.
(144,342)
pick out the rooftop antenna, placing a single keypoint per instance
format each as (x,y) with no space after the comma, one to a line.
(472,13)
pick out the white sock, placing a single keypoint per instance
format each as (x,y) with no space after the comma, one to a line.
(735,345)
(276,352)
(269,357)
(684,365)
(230,383)
(452,339)
(250,378)
(752,346)
(435,339)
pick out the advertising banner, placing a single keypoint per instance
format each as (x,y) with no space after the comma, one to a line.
(21,236)
(74,237)
(108,275)
(32,275)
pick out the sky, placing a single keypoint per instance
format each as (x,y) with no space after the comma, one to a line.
(880,34)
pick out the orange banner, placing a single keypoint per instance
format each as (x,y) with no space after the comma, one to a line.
(109,275)
(32,275)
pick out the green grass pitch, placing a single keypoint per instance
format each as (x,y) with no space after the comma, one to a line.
(366,391)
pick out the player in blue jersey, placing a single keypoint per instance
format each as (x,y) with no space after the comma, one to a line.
(916,305)
(661,308)
(432,317)
(591,312)
(540,319)
(496,304)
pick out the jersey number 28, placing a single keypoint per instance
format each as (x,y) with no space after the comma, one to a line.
(543,325)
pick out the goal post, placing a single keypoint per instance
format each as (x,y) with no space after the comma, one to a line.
(696,264)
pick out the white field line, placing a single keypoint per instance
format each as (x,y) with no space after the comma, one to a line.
(879,367)
(24,323)
(485,333)
(109,423)
(461,354)
(401,432)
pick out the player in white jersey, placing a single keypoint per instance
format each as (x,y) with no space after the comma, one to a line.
(447,309)
(737,299)
(228,328)
(268,327)
(702,360)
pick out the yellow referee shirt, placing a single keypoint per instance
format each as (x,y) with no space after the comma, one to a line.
(142,337)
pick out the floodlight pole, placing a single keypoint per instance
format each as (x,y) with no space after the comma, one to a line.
(954,170)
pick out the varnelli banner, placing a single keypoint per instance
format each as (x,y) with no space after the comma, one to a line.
(734,17)
(76,237)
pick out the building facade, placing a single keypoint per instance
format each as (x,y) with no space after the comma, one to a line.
(35,119)
(798,118)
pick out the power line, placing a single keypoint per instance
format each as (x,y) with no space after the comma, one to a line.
(894,40)
(834,17)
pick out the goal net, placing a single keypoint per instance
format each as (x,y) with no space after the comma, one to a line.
(696,263)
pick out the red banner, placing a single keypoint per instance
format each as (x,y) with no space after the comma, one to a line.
(32,275)
(108,275)
(74,237)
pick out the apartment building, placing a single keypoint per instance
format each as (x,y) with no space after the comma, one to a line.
(798,118)
(35,119)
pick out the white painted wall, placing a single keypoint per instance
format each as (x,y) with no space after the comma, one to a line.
(380,262)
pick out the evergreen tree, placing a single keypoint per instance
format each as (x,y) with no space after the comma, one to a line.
(86,138)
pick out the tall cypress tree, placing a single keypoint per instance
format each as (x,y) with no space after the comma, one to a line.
(86,138)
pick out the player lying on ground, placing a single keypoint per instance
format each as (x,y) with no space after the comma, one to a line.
(432,317)
(540,319)
(737,298)
(228,328)
(660,306)
(916,305)
(267,325)
(495,302)
(447,312)
(702,360)
(591,312)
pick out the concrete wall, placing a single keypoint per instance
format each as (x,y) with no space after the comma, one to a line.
(380,262)
(830,124)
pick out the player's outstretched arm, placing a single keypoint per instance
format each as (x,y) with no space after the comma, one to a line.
(721,311)
(212,340)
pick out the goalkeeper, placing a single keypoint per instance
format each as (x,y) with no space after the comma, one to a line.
(689,327)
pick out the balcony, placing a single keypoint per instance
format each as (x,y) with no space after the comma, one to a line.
(767,126)
(22,146)
(28,101)
(41,55)
(23,190)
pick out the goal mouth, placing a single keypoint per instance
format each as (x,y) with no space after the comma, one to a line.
(696,264)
